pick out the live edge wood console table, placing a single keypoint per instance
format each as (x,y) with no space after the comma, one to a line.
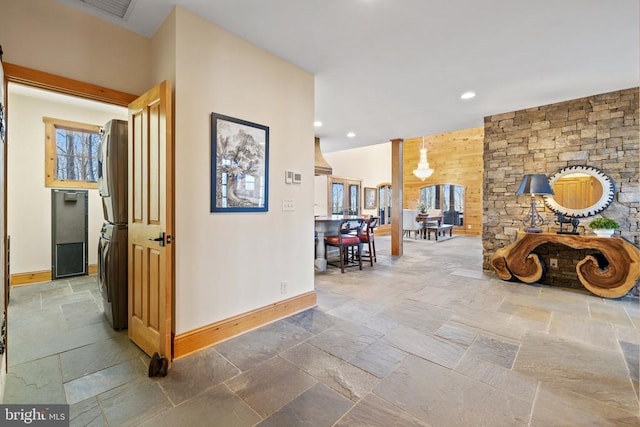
(612,277)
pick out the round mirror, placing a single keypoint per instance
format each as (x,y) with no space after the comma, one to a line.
(580,191)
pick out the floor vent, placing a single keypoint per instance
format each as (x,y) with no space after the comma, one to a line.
(117,8)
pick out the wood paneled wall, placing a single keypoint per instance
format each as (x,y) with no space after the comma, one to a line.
(456,158)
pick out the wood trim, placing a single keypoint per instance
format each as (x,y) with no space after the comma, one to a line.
(51,152)
(20,279)
(383,229)
(206,336)
(28,76)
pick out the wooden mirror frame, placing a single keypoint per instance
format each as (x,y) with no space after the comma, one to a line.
(608,192)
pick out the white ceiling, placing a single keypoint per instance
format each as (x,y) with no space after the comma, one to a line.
(396,68)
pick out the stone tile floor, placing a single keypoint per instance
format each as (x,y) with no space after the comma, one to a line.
(426,339)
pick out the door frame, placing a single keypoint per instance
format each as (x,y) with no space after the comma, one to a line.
(27,76)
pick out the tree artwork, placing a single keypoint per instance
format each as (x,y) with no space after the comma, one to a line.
(240,165)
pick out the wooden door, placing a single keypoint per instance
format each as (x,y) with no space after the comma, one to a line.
(4,239)
(151,221)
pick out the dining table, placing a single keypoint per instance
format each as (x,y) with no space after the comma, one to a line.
(326,225)
(425,219)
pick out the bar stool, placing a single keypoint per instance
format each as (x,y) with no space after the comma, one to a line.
(367,238)
(349,232)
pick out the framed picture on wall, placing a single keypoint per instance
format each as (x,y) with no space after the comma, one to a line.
(370,198)
(239,165)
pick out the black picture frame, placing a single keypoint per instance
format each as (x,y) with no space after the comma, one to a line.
(239,165)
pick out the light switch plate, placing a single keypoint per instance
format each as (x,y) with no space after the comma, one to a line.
(288,205)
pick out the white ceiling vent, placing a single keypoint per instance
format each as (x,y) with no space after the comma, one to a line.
(115,8)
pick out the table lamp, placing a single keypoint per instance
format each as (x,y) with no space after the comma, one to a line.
(535,185)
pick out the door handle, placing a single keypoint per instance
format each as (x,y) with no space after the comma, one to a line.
(160,239)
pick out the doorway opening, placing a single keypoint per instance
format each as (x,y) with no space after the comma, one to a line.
(29,200)
(33,257)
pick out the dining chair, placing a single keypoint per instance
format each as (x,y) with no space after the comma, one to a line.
(409,222)
(434,213)
(367,239)
(349,232)
(434,217)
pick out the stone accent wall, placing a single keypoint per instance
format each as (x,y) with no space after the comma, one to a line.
(600,131)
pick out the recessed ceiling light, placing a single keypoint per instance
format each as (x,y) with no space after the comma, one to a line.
(351,135)
(468,95)
(317,123)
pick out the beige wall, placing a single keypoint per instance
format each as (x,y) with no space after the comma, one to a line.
(29,201)
(49,36)
(228,264)
(371,164)
(163,52)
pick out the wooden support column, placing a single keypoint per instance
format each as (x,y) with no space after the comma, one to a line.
(396,196)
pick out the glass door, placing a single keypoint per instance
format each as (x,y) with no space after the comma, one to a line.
(384,208)
(354,199)
(337,198)
(344,196)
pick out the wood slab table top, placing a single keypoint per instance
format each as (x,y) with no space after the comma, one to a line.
(612,277)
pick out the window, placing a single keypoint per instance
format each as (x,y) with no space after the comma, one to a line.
(447,197)
(384,203)
(354,199)
(431,196)
(71,151)
(337,198)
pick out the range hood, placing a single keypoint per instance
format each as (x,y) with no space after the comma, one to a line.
(321,165)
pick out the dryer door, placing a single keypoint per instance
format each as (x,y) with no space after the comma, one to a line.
(103,254)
